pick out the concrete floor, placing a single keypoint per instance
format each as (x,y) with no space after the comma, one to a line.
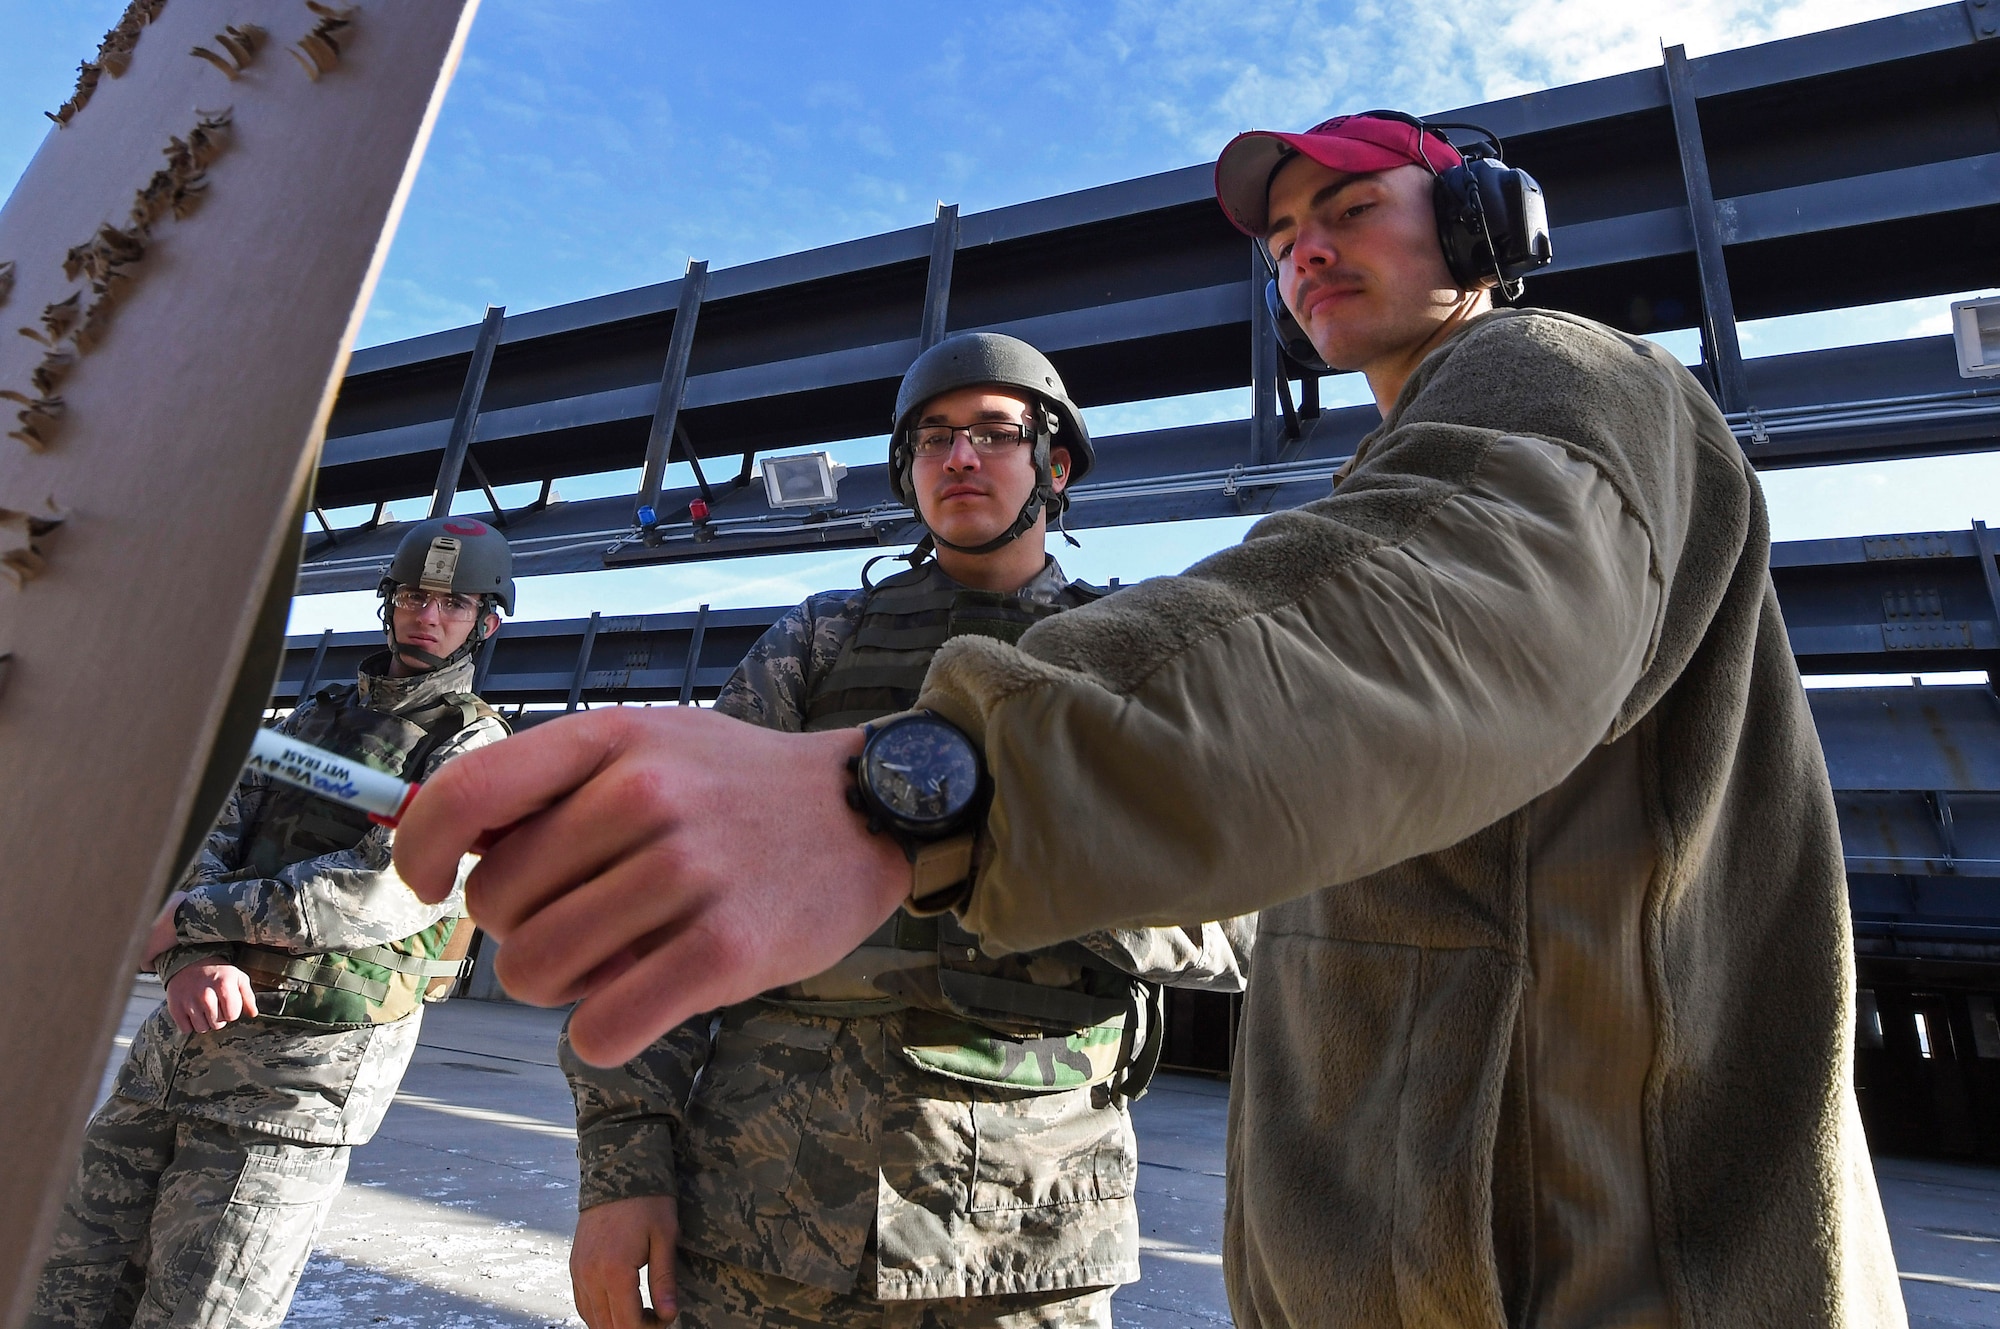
(458,1214)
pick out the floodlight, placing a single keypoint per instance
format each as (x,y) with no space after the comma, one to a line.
(804,480)
(1975,327)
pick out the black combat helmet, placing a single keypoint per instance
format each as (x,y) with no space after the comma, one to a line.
(461,555)
(982,359)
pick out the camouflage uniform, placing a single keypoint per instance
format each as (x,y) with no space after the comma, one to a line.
(842,1156)
(207,1172)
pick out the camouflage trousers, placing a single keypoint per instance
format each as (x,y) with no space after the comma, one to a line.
(715,1295)
(178,1223)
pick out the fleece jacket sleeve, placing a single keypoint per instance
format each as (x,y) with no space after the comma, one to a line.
(1371,677)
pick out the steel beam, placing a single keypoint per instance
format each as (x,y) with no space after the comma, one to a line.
(535,663)
(1881,140)
(1887,604)
(310,680)
(1185,473)
(466,418)
(1903,603)
(1893,753)
(577,677)
(1265,367)
(688,667)
(937,285)
(1910,738)
(667,400)
(1986,547)
(1721,351)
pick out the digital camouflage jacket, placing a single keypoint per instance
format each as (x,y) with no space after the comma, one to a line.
(803,1140)
(299,1081)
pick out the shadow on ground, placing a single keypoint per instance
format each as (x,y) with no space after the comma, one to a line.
(459,1213)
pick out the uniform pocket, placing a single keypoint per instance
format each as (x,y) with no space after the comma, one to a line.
(1034,1151)
(747,1118)
(235,1261)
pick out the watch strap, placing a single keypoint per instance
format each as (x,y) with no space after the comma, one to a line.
(940,873)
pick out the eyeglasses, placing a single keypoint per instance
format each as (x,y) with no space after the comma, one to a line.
(449,605)
(989,438)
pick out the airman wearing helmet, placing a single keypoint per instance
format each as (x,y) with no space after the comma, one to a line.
(297,966)
(922,1032)
(448,573)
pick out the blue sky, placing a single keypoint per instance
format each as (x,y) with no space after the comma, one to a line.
(593,145)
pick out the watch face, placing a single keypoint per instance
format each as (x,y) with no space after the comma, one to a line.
(923,772)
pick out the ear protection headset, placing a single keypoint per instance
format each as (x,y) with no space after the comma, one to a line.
(1492,224)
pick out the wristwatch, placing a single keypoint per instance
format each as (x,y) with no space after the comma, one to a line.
(920,780)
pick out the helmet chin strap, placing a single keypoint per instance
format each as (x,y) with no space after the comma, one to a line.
(1045,495)
(1022,522)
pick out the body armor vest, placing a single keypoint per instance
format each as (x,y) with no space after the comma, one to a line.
(880,669)
(373,984)
(1049,1020)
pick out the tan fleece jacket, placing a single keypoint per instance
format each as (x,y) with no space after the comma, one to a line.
(1552,1017)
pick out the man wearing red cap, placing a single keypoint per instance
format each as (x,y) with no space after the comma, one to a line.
(1552,1018)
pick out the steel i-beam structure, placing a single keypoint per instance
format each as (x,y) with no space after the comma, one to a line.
(1822,172)
(1839,168)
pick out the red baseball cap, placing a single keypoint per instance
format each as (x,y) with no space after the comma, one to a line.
(1355,144)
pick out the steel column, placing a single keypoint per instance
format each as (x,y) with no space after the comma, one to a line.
(311,675)
(484,666)
(1908,603)
(673,389)
(1264,368)
(1872,139)
(466,418)
(1720,346)
(1988,546)
(693,655)
(486,488)
(937,288)
(582,661)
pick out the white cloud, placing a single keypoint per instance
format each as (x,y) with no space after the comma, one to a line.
(1213,68)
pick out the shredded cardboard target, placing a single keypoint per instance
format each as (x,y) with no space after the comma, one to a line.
(57,320)
(114,57)
(50,373)
(21,533)
(36,421)
(321,46)
(239,42)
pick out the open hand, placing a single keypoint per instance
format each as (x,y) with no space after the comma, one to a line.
(613,1243)
(204,997)
(654,864)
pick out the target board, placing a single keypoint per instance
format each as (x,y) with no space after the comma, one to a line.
(182,270)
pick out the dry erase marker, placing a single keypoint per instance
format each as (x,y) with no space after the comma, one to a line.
(342,779)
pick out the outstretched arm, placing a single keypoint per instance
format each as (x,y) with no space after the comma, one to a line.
(1370,678)
(337,901)
(653,864)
